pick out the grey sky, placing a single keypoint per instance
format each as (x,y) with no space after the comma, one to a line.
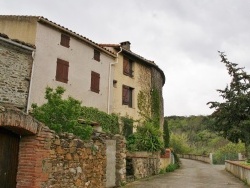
(181,36)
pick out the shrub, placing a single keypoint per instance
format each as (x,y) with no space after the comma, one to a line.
(61,115)
(147,138)
(172,167)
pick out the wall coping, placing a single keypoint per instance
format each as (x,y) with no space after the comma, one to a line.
(143,154)
(238,164)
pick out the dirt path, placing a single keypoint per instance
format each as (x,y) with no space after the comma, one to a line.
(192,174)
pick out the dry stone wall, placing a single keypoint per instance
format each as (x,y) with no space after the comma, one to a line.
(143,164)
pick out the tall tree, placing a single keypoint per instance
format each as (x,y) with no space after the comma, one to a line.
(232,116)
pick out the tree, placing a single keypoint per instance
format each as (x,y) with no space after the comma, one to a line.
(232,116)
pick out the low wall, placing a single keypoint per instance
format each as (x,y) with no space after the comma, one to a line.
(238,170)
(143,164)
(203,158)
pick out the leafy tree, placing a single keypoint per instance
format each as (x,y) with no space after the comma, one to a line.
(60,114)
(232,116)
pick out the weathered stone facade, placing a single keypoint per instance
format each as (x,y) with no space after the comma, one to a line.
(15,72)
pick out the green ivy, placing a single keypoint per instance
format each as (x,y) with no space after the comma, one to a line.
(108,122)
(62,115)
(149,106)
(155,102)
(127,128)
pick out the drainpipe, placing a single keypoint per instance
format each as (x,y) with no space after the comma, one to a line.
(109,85)
(31,79)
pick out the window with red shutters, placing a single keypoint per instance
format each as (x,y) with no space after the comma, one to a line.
(95,82)
(127,67)
(62,70)
(127,93)
(97,55)
(65,40)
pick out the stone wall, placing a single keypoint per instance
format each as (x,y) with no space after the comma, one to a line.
(203,158)
(143,164)
(49,160)
(238,170)
(15,72)
(120,160)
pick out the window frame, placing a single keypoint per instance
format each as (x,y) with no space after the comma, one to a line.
(127,66)
(95,82)
(127,96)
(65,40)
(62,70)
(97,55)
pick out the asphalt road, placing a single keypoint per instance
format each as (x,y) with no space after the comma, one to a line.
(192,174)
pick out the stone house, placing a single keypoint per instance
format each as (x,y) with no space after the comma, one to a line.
(63,58)
(15,71)
(134,74)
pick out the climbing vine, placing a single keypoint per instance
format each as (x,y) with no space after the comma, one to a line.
(127,126)
(62,115)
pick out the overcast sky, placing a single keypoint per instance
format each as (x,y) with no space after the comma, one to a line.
(181,36)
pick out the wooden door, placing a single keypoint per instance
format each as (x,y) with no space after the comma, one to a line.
(9,145)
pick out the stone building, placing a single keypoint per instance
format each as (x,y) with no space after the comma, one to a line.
(15,71)
(133,74)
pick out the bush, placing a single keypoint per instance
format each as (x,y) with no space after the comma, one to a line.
(172,167)
(228,152)
(147,138)
(61,115)
(179,143)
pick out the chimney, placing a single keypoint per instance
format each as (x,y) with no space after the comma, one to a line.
(125,45)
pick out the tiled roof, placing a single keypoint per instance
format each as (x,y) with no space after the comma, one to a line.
(45,20)
(17,41)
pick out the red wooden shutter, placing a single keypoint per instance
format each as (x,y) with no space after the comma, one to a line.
(65,40)
(95,82)
(62,70)
(125,95)
(125,66)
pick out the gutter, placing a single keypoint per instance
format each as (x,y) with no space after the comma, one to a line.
(109,84)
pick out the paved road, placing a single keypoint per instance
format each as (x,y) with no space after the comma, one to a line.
(192,174)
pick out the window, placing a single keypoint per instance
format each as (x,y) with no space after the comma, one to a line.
(96,55)
(62,70)
(127,95)
(127,67)
(65,40)
(95,82)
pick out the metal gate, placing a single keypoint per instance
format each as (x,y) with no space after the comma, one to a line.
(9,144)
